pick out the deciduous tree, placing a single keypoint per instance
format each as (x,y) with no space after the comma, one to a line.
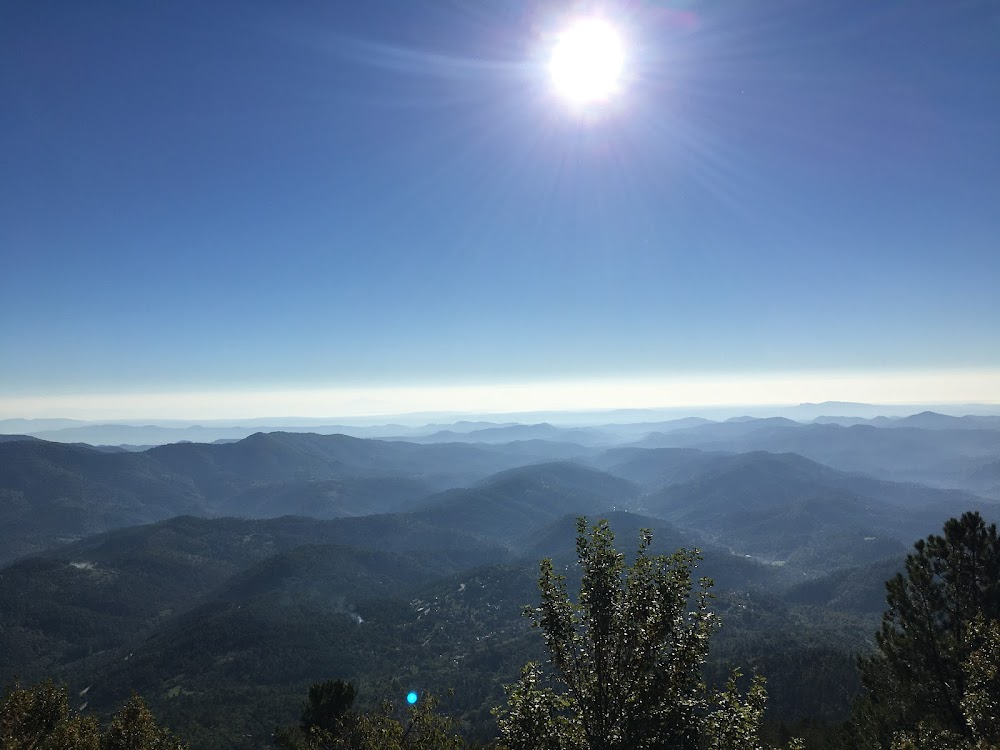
(624,662)
(40,718)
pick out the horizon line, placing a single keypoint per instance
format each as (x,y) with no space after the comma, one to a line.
(597,395)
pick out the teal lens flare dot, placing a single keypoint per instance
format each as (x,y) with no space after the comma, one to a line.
(411,697)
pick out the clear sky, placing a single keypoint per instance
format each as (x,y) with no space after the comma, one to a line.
(302,197)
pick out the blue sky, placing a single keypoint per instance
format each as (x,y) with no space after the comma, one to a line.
(239,196)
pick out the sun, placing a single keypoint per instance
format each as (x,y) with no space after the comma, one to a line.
(587,62)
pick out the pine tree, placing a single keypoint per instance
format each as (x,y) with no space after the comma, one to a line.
(919,677)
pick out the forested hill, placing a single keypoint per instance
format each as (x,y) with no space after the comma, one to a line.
(51,493)
(222,623)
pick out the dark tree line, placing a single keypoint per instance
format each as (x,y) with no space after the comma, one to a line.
(40,718)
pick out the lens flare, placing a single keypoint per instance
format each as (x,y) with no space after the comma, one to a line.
(411,697)
(587,62)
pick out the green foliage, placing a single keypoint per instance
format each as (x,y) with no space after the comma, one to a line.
(733,723)
(425,730)
(422,729)
(134,728)
(40,718)
(918,679)
(327,711)
(981,703)
(328,703)
(625,661)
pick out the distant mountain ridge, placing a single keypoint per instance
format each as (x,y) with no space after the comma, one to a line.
(52,493)
(926,420)
(941,456)
(620,425)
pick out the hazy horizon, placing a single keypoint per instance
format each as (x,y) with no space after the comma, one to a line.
(688,395)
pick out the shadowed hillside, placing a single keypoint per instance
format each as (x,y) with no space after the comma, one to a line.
(52,493)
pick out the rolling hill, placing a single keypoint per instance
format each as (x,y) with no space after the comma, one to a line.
(508,505)
(783,507)
(941,457)
(107,590)
(53,493)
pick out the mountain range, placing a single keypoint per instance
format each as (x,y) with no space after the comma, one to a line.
(221,579)
(586,428)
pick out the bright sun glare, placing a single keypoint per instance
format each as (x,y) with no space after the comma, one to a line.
(587,62)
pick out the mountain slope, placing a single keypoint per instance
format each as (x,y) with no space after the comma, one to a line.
(52,493)
(510,504)
(656,467)
(786,507)
(936,456)
(104,591)
(328,498)
(857,589)
(729,571)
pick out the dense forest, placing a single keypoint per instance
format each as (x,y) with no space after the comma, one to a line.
(625,664)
